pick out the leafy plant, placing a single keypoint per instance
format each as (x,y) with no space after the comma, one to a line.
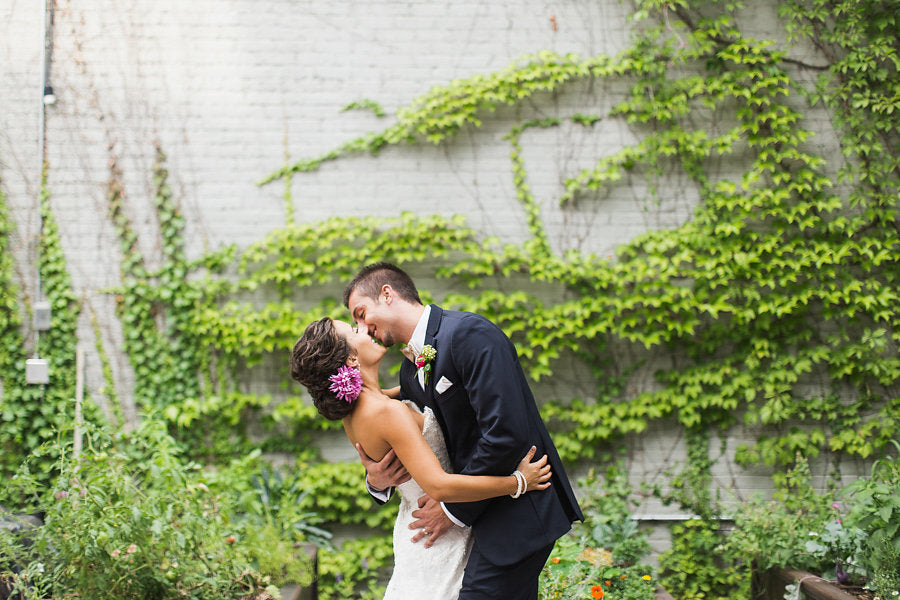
(131,520)
(842,548)
(32,416)
(357,569)
(695,567)
(268,521)
(774,533)
(875,511)
(601,556)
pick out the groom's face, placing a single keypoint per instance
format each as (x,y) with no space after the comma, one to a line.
(376,316)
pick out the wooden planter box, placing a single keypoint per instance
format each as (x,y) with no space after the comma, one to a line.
(771,584)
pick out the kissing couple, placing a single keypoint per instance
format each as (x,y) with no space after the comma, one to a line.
(456,439)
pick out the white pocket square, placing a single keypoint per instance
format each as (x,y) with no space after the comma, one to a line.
(443,385)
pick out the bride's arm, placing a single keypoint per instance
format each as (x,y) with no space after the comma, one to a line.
(400,430)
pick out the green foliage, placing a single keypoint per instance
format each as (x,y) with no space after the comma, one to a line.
(132,520)
(443,111)
(600,557)
(694,567)
(335,492)
(803,528)
(774,533)
(12,354)
(157,307)
(875,511)
(366,104)
(357,570)
(270,523)
(841,547)
(692,487)
(33,415)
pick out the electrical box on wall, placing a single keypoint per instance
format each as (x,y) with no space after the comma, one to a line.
(37,370)
(42,316)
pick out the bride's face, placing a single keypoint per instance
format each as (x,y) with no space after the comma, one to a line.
(368,351)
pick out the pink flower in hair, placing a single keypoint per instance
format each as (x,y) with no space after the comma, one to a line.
(346,383)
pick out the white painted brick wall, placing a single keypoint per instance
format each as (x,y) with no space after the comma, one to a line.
(227,87)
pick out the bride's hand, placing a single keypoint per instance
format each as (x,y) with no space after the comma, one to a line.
(537,474)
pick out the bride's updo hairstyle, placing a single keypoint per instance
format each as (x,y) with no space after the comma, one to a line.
(316,356)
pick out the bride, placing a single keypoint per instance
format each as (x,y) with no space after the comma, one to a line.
(339,367)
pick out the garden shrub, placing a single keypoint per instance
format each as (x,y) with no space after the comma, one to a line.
(601,557)
(131,519)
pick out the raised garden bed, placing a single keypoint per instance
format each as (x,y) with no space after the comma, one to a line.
(771,586)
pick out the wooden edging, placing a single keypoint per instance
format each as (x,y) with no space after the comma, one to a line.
(813,586)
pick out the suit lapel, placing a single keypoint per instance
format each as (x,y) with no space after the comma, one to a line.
(434,323)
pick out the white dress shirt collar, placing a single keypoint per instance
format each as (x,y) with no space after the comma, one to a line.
(417,341)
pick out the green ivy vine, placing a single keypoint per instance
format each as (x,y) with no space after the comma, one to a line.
(780,278)
(32,415)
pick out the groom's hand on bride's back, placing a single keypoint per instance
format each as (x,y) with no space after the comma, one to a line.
(431,521)
(383,474)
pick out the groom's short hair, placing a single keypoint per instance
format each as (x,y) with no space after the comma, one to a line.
(372,278)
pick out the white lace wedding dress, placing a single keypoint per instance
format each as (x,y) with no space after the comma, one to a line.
(434,573)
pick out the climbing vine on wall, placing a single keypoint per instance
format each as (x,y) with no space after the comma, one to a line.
(786,274)
(32,415)
(779,280)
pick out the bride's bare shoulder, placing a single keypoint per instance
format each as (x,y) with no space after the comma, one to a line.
(385,412)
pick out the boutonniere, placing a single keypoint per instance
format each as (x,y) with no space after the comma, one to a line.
(423,360)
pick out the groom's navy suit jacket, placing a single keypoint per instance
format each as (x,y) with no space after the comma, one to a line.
(490,420)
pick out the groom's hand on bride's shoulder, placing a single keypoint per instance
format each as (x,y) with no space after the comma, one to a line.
(383,474)
(393,392)
(431,521)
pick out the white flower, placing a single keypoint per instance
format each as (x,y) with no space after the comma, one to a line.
(39,568)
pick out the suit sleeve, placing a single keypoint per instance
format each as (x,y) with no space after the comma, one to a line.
(379,496)
(486,361)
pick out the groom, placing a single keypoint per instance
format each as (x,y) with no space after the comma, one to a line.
(478,392)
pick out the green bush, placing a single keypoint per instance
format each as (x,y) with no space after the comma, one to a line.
(694,567)
(876,512)
(804,528)
(130,519)
(774,533)
(601,556)
(357,570)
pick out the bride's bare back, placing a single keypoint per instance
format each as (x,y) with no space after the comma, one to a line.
(372,416)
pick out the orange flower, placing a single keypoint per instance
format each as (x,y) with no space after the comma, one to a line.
(607,582)
(622,577)
(555,560)
(596,592)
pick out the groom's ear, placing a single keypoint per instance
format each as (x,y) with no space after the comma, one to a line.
(387,293)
